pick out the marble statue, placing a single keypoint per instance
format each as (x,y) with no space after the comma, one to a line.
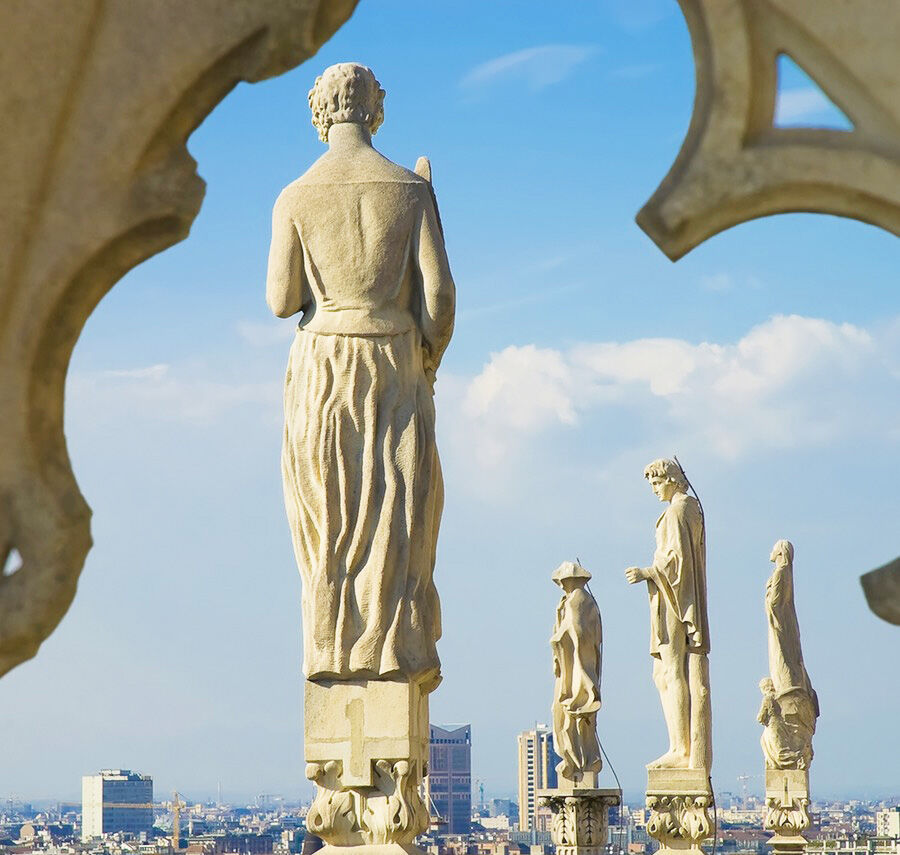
(679,628)
(357,250)
(577,655)
(579,808)
(790,705)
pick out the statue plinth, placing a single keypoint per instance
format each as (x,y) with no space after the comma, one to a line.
(580,824)
(679,802)
(787,808)
(366,747)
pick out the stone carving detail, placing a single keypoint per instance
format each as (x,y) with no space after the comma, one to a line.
(580,824)
(679,628)
(787,808)
(882,590)
(357,251)
(734,165)
(99,146)
(679,818)
(790,819)
(392,811)
(577,655)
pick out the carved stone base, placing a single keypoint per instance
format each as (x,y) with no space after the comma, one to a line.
(679,802)
(580,818)
(366,745)
(787,808)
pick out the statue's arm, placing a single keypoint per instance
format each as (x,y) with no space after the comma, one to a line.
(438,299)
(284,280)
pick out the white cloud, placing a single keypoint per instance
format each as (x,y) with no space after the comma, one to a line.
(718,282)
(194,394)
(796,106)
(789,382)
(266,334)
(539,66)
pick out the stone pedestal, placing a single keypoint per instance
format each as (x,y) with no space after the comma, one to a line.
(787,809)
(679,802)
(580,823)
(366,746)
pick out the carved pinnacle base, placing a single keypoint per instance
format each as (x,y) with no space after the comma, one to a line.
(366,747)
(580,818)
(787,808)
(679,802)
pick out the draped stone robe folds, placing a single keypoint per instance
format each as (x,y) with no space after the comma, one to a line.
(357,247)
(792,710)
(677,576)
(576,645)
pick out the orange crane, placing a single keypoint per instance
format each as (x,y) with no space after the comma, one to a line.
(177,806)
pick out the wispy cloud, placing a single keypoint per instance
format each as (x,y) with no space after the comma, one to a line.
(192,394)
(266,334)
(788,382)
(721,283)
(539,66)
(796,106)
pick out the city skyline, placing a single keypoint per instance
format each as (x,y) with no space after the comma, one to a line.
(768,360)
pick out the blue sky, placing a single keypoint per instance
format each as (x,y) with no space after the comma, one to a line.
(768,359)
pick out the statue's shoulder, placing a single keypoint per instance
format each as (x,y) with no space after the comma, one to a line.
(371,167)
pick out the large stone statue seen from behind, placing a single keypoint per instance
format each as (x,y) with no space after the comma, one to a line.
(788,712)
(679,789)
(357,251)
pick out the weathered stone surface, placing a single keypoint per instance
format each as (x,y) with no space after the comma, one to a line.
(882,590)
(358,254)
(580,824)
(787,808)
(366,746)
(679,626)
(98,100)
(679,801)
(577,645)
(734,165)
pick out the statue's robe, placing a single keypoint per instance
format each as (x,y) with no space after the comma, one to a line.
(357,242)
(797,700)
(577,653)
(677,576)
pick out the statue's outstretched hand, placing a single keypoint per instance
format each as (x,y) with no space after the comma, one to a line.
(635,574)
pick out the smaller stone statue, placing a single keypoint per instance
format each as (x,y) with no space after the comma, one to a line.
(579,808)
(577,655)
(790,705)
(788,712)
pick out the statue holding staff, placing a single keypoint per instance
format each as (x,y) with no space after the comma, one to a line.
(357,250)
(679,627)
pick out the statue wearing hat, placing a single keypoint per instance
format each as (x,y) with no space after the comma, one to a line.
(577,654)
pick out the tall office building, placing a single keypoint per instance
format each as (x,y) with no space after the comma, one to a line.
(448,787)
(116,800)
(537,771)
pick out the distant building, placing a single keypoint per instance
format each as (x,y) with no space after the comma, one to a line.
(537,771)
(116,800)
(448,787)
(887,822)
(502,807)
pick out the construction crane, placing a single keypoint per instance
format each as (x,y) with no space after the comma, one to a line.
(177,806)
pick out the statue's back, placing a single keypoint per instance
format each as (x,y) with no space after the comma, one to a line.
(357,219)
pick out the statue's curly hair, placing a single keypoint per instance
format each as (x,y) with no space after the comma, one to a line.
(346,92)
(668,469)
